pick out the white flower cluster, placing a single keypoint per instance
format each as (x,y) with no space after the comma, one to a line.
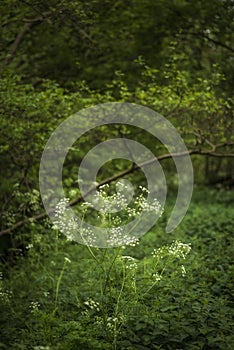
(29,246)
(183,271)
(118,201)
(130,262)
(34,306)
(5,294)
(157,253)
(60,214)
(113,320)
(157,277)
(118,238)
(131,266)
(68,224)
(153,206)
(108,205)
(177,249)
(143,205)
(70,227)
(91,304)
(61,207)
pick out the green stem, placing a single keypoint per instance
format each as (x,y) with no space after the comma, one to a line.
(110,268)
(93,255)
(58,284)
(147,291)
(117,306)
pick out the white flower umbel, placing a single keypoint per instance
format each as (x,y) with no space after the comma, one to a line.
(91,304)
(34,306)
(176,249)
(114,214)
(110,203)
(179,249)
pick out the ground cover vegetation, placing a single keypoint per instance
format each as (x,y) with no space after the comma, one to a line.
(167,291)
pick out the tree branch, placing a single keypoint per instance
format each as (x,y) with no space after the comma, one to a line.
(218,43)
(121,174)
(16,44)
(28,23)
(207,37)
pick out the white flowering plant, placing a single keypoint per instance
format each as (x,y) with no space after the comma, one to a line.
(108,210)
(97,294)
(124,282)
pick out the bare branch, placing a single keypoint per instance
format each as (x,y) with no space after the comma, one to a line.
(40,18)
(28,23)
(16,44)
(121,174)
(218,43)
(214,41)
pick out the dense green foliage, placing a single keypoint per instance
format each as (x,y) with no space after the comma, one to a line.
(60,297)
(58,57)
(29,116)
(70,40)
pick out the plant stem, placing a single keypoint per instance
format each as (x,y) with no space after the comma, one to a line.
(58,284)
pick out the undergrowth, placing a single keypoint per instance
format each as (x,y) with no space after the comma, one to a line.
(152,295)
